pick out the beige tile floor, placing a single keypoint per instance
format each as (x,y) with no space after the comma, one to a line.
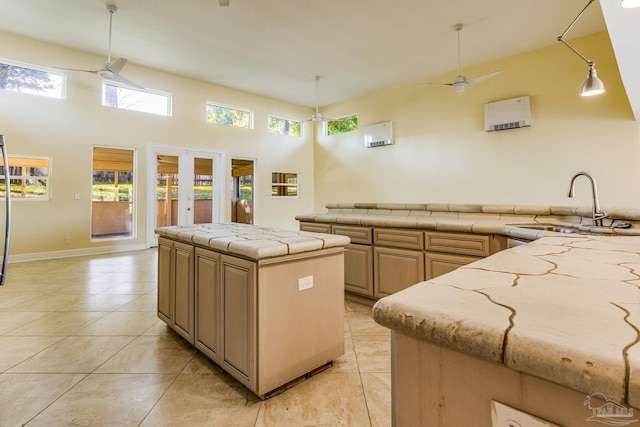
(80,344)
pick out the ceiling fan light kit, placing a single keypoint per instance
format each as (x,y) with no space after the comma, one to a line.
(460,82)
(592,85)
(111,70)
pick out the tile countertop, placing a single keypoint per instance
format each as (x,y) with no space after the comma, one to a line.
(566,309)
(251,241)
(485,219)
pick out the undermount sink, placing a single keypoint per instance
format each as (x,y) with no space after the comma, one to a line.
(544,227)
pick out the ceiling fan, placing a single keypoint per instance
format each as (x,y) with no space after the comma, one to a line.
(111,70)
(460,82)
(317,116)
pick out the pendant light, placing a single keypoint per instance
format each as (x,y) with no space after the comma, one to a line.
(592,85)
(630,3)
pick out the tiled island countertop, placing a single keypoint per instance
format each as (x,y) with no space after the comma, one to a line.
(251,241)
(565,309)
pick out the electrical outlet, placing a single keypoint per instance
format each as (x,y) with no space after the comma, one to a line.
(305,283)
(506,416)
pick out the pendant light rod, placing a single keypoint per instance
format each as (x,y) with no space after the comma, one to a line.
(561,36)
(111,9)
(592,85)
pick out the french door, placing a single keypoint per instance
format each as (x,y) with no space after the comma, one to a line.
(184,187)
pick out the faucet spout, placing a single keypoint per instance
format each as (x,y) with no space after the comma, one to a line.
(597,214)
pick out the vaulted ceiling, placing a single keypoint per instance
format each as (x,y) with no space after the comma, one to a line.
(276,47)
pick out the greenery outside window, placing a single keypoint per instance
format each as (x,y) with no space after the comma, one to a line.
(144,100)
(285,126)
(342,125)
(284,184)
(28,177)
(32,79)
(112,192)
(230,116)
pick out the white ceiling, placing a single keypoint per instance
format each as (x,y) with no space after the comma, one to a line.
(276,47)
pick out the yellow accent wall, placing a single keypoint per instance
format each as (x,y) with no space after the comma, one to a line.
(443,155)
(67,130)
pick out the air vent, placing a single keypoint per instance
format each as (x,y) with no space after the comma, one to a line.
(507,114)
(378,135)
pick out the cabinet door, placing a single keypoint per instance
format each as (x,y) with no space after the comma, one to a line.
(315,227)
(183,293)
(439,264)
(239,319)
(396,269)
(208,332)
(358,269)
(165,285)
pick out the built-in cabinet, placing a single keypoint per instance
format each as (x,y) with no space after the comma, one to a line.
(253,317)
(380,261)
(176,287)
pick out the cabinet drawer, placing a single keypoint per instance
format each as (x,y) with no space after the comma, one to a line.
(315,227)
(458,243)
(438,264)
(408,239)
(356,234)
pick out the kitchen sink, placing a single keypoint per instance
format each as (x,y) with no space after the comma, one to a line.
(547,227)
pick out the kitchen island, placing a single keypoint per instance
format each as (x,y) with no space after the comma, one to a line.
(265,304)
(549,328)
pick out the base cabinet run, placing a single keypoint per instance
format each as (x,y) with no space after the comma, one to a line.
(380,261)
(250,317)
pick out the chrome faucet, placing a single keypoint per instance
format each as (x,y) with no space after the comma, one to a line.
(597,213)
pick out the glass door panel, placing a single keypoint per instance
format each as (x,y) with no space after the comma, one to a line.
(202,190)
(167,186)
(196,201)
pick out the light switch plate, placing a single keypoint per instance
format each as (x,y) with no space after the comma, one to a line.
(506,416)
(305,283)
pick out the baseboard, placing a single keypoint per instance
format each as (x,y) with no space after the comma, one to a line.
(76,252)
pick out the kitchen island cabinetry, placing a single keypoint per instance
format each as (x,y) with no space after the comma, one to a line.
(176,287)
(208,294)
(268,308)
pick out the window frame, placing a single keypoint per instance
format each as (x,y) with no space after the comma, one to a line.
(339,119)
(47,197)
(298,122)
(134,195)
(48,70)
(229,107)
(156,92)
(286,184)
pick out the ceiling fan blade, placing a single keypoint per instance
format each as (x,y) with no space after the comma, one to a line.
(117,65)
(436,84)
(483,77)
(77,69)
(118,78)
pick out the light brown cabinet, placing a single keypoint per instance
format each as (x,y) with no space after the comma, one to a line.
(358,269)
(176,287)
(252,317)
(380,261)
(396,269)
(238,293)
(358,259)
(208,338)
(438,264)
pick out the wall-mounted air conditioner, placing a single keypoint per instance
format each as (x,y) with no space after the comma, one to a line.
(378,135)
(507,114)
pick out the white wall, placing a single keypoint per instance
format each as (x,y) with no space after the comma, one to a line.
(443,155)
(66,130)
